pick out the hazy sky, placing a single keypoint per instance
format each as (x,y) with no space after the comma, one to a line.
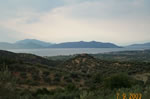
(118,21)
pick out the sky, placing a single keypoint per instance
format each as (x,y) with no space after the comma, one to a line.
(121,22)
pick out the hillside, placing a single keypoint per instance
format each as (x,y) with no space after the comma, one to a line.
(24,58)
(82,63)
(87,64)
(70,78)
(140,56)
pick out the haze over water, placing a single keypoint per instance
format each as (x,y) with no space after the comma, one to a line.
(71,51)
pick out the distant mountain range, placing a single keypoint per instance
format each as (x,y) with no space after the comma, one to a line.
(82,44)
(25,44)
(34,44)
(145,45)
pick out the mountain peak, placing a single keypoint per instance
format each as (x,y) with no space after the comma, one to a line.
(34,42)
(29,41)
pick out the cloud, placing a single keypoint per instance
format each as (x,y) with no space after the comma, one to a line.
(11,8)
(8,35)
(102,20)
(104,9)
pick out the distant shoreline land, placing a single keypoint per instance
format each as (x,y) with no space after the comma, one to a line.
(38,44)
(35,44)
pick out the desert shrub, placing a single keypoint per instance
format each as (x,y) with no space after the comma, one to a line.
(36,77)
(71,87)
(97,78)
(98,94)
(57,79)
(42,91)
(23,75)
(33,83)
(148,81)
(7,60)
(66,96)
(118,81)
(74,75)
(146,95)
(47,80)
(56,94)
(7,85)
(46,73)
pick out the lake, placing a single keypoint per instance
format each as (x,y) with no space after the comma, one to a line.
(71,51)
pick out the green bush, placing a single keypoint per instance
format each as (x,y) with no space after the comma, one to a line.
(7,85)
(97,78)
(71,87)
(42,91)
(23,75)
(118,81)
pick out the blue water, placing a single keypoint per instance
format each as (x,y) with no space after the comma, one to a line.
(71,51)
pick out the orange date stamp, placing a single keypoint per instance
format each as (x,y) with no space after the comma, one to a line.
(131,96)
